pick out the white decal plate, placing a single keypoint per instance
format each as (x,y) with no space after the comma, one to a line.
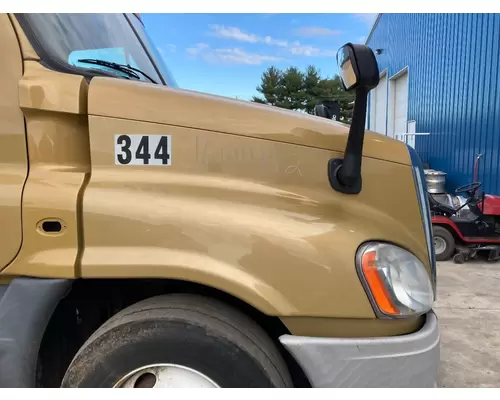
(155,150)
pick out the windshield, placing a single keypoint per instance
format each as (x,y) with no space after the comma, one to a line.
(64,39)
(153,50)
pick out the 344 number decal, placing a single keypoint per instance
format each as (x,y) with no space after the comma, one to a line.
(143,150)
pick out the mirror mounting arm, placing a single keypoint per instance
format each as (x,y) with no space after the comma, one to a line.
(345,174)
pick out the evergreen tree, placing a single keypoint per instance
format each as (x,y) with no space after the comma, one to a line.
(301,91)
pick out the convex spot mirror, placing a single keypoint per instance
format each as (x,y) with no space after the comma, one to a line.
(358,67)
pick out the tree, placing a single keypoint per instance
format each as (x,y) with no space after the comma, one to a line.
(292,89)
(270,87)
(312,84)
(301,91)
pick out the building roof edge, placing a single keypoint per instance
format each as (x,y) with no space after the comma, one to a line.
(373,28)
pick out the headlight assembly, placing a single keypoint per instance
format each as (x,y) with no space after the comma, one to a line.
(396,281)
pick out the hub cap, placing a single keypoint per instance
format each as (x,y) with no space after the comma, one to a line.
(439,245)
(160,376)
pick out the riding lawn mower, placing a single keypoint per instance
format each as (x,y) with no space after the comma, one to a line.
(466,224)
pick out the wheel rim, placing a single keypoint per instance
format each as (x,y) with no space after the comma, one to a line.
(439,245)
(159,376)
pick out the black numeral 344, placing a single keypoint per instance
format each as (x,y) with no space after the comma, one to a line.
(143,152)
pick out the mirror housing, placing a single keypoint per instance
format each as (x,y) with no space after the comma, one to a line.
(357,67)
(358,70)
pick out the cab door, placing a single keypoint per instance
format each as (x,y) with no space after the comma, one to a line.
(13,157)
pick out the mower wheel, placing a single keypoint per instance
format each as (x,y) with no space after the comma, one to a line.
(444,243)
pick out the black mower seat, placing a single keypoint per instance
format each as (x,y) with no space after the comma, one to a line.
(438,206)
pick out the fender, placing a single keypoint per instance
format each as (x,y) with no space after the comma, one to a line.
(439,220)
(254,218)
(26,306)
(491,205)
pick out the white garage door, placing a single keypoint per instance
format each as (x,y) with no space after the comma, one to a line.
(400,104)
(378,107)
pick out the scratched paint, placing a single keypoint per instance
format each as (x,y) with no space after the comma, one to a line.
(212,154)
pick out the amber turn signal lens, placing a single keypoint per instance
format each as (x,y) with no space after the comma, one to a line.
(376,283)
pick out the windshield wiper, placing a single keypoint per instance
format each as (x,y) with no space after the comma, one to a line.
(128,69)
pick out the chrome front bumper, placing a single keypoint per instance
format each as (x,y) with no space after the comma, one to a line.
(401,361)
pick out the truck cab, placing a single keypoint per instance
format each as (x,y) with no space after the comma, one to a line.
(158,237)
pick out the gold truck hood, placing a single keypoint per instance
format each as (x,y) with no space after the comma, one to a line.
(118,98)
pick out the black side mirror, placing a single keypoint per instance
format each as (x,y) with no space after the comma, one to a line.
(358,71)
(358,67)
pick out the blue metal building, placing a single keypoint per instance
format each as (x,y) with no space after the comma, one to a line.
(440,79)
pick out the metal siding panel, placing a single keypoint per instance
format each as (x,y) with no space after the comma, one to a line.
(454,67)
(494,145)
(477,94)
(451,85)
(457,49)
(485,129)
(451,71)
(425,111)
(465,93)
(438,91)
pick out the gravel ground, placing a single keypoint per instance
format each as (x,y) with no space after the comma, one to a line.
(468,308)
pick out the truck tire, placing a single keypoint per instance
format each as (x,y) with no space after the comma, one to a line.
(186,340)
(444,243)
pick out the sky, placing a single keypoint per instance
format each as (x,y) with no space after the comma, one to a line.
(226,54)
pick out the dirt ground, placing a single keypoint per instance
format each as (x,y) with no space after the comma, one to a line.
(468,308)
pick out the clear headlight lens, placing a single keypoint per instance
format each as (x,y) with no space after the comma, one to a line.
(397,282)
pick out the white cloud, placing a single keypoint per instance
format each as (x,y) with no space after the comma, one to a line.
(240,56)
(362,39)
(369,18)
(271,41)
(294,48)
(170,47)
(310,51)
(305,51)
(230,56)
(199,47)
(231,32)
(310,31)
